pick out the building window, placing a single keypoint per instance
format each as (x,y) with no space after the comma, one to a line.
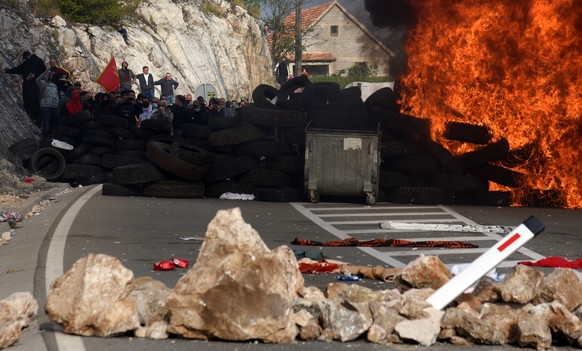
(333,31)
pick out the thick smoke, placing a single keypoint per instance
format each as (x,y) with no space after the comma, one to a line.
(395,17)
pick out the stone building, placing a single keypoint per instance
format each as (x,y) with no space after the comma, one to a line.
(335,40)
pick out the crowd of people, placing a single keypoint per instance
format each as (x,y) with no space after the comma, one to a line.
(48,94)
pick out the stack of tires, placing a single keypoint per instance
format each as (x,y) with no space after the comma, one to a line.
(261,151)
(417,170)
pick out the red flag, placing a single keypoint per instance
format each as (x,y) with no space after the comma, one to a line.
(109,79)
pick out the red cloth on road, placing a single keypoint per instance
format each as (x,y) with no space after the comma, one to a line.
(554,261)
(385,243)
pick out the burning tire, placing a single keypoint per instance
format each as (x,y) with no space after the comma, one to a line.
(401,122)
(492,152)
(470,133)
(499,175)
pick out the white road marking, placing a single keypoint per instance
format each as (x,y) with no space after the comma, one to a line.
(329,215)
(54,265)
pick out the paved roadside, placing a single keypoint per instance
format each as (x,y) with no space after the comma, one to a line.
(19,257)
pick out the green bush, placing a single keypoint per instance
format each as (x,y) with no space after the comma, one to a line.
(212,9)
(97,12)
(45,8)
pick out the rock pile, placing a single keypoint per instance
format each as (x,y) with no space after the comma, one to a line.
(235,292)
(17,312)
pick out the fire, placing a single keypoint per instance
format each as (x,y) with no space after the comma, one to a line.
(514,66)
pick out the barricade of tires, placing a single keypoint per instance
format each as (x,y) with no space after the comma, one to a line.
(261,151)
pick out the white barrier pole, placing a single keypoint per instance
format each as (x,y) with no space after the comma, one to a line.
(486,262)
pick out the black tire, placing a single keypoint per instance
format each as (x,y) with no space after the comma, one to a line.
(99,150)
(24,148)
(215,190)
(129,144)
(398,148)
(88,159)
(216,157)
(195,131)
(420,195)
(443,156)
(235,136)
(202,143)
(77,151)
(492,152)
(94,179)
(264,95)
(499,175)
(289,99)
(141,173)
(295,135)
(282,194)
(166,139)
(111,161)
(400,122)
(98,137)
(230,168)
(122,133)
(329,90)
(76,170)
(141,133)
(174,189)
(328,119)
(261,116)
(414,164)
(218,123)
(263,148)
(520,156)
(384,98)
(470,133)
(483,198)
(111,189)
(459,182)
(75,119)
(263,177)
(112,121)
(156,126)
(391,179)
(71,132)
(173,159)
(289,164)
(41,162)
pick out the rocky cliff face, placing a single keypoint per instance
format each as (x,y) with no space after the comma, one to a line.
(228,52)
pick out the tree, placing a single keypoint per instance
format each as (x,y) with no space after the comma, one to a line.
(282,35)
(97,12)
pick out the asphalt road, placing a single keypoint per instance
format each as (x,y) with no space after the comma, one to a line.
(140,231)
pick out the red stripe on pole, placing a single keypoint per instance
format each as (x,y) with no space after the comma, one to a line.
(509,241)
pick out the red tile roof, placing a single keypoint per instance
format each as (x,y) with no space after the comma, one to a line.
(309,16)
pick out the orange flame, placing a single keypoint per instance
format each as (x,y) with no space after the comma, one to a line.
(514,66)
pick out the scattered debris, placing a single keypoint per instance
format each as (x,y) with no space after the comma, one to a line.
(494,229)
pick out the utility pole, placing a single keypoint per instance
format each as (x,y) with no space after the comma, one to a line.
(298,38)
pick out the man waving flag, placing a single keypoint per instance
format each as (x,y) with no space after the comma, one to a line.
(108,79)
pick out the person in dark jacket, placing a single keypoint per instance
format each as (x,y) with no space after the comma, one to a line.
(196,114)
(49,99)
(31,67)
(126,77)
(167,84)
(146,82)
(281,71)
(127,108)
(179,109)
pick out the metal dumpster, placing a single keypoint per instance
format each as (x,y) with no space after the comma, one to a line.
(342,162)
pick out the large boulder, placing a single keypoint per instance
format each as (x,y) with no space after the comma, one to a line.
(238,289)
(93,298)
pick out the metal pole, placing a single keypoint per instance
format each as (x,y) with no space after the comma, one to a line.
(298,37)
